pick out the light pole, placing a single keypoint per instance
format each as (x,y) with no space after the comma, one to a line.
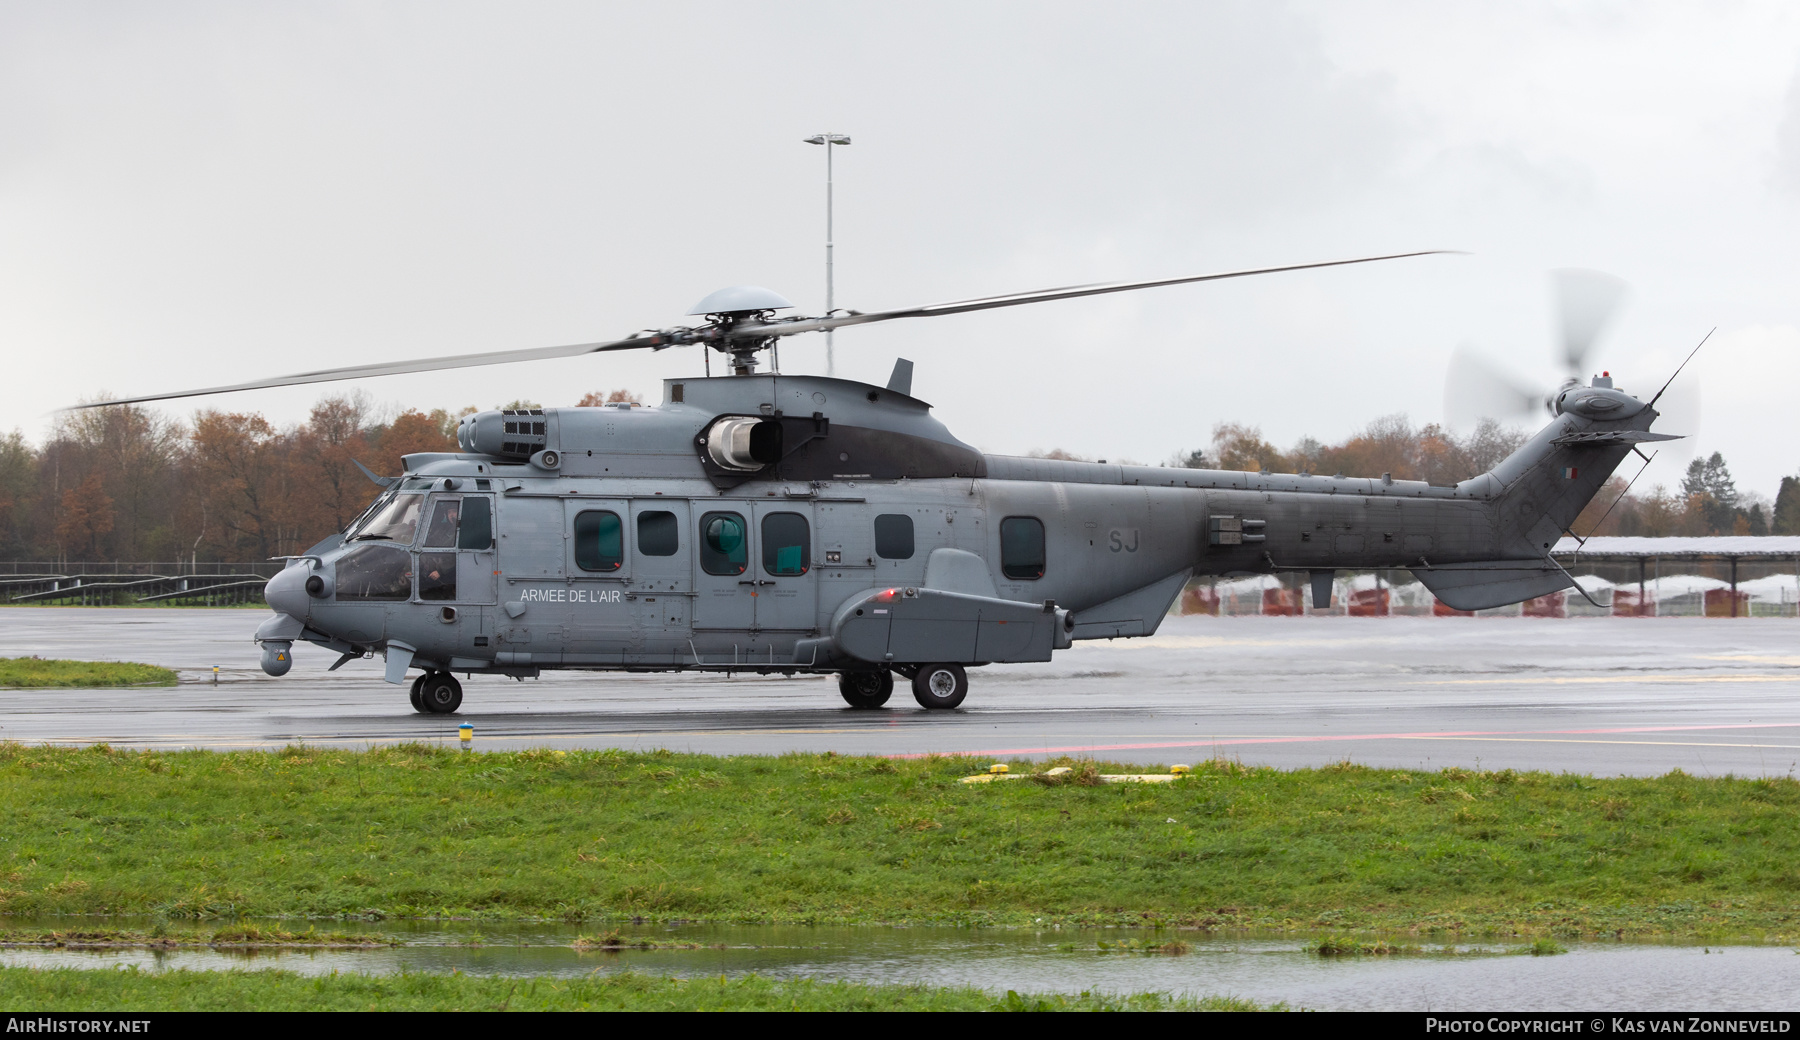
(828,140)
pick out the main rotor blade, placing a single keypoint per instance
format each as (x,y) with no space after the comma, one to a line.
(395,368)
(747,330)
(794,328)
(1585,303)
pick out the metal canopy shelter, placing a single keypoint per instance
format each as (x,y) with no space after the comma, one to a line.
(1727,548)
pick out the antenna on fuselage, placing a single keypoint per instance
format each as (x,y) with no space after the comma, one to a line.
(901,381)
(1678,368)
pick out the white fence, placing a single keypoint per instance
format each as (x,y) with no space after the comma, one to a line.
(1375,595)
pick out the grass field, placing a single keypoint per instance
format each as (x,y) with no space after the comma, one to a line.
(38,673)
(37,990)
(421,831)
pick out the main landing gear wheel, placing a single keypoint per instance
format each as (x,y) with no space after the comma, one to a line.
(940,686)
(440,693)
(866,689)
(417,704)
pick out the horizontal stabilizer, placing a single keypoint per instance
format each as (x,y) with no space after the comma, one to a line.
(1497,583)
(1594,438)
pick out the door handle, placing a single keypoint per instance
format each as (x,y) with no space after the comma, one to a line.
(756,583)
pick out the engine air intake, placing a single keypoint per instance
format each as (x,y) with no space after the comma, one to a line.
(743,443)
(512,432)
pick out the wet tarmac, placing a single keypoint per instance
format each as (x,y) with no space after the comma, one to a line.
(1605,696)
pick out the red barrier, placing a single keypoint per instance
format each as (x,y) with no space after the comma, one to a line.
(1438,609)
(1626,603)
(1553,605)
(1719,603)
(1281,603)
(1369,603)
(1200,600)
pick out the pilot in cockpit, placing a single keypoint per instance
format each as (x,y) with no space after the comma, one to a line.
(442,533)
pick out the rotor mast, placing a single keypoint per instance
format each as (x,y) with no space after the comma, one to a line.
(742,349)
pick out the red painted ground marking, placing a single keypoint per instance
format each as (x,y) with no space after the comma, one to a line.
(996,753)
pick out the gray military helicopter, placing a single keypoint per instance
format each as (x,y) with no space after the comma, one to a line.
(769,522)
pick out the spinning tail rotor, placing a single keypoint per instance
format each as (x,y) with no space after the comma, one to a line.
(1586,302)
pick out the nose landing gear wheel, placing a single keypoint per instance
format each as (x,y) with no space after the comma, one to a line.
(940,686)
(866,689)
(418,705)
(440,693)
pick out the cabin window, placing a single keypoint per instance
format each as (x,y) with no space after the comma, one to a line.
(374,572)
(1022,547)
(437,575)
(894,536)
(724,544)
(477,524)
(599,540)
(786,544)
(445,516)
(398,522)
(658,534)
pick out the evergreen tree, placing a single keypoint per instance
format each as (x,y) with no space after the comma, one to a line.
(1711,477)
(1787,507)
(1708,482)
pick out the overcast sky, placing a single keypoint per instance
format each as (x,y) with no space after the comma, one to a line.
(193,194)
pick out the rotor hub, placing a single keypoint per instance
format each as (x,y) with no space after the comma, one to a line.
(742,349)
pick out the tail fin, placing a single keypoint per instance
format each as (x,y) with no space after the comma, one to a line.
(1533,496)
(1544,486)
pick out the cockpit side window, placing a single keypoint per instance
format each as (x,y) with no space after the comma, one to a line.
(397,522)
(375,572)
(477,524)
(437,575)
(446,515)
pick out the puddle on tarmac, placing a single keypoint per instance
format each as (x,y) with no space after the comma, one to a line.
(1591,976)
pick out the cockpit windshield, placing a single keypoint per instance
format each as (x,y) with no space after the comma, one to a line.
(374,507)
(397,521)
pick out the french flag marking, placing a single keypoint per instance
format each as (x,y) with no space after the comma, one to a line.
(1569,472)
